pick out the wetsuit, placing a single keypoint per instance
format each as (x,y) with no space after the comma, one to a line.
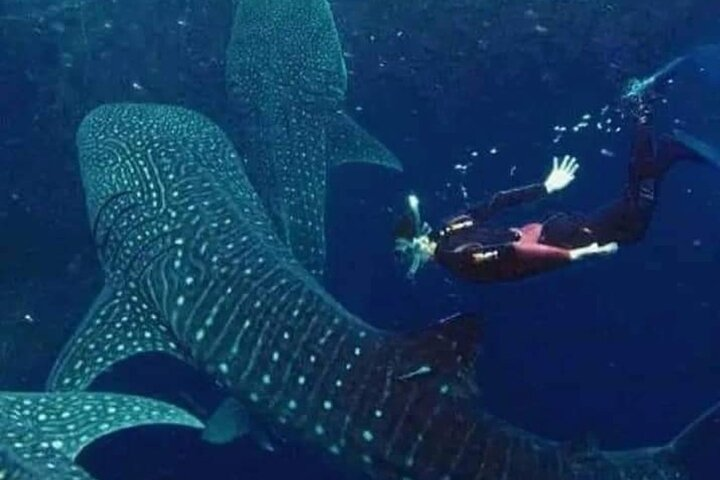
(477,252)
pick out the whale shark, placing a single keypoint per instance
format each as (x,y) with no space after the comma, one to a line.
(41,434)
(194,268)
(287,82)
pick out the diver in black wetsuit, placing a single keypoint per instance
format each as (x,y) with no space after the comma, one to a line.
(473,250)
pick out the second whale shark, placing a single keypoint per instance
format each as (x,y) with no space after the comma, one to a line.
(287,80)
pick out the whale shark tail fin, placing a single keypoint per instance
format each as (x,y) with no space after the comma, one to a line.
(704,429)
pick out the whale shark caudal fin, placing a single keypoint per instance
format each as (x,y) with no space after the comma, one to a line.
(41,433)
(705,428)
(117,327)
(673,460)
(348,142)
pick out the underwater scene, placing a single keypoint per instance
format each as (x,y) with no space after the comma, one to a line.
(360,239)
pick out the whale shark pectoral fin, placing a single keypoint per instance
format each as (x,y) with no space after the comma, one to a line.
(444,354)
(348,142)
(118,326)
(229,422)
(46,464)
(68,422)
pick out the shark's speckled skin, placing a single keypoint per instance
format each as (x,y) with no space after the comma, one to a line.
(193,268)
(41,433)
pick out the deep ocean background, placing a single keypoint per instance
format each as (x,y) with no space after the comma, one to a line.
(623,349)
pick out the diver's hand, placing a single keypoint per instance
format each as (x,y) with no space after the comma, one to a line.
(562,174)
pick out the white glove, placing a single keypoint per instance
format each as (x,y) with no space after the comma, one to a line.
(562,173)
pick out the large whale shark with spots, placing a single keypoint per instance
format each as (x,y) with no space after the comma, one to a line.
(194,268)
(287,81)
(41,434)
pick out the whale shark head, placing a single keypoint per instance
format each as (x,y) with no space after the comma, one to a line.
(189,254)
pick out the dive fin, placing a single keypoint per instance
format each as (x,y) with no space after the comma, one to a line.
(348,142)
(118,326)
(445,353)
(697,149)
(68,422)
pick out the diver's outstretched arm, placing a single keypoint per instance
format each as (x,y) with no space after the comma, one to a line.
(561,175)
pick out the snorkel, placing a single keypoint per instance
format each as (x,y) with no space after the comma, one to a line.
(414,208)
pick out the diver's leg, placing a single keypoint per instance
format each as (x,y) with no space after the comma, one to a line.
(566,230)
(627,219)
(573,233)
(624,221)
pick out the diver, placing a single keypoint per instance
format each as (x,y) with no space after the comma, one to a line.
(473,249)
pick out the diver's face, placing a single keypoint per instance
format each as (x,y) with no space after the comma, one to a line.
(426,245)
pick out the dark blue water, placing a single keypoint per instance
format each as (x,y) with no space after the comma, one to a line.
(624,349)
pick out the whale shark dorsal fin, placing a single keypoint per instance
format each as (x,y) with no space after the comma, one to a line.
(43,425)
(348,142)
(444,355)
(118,326)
